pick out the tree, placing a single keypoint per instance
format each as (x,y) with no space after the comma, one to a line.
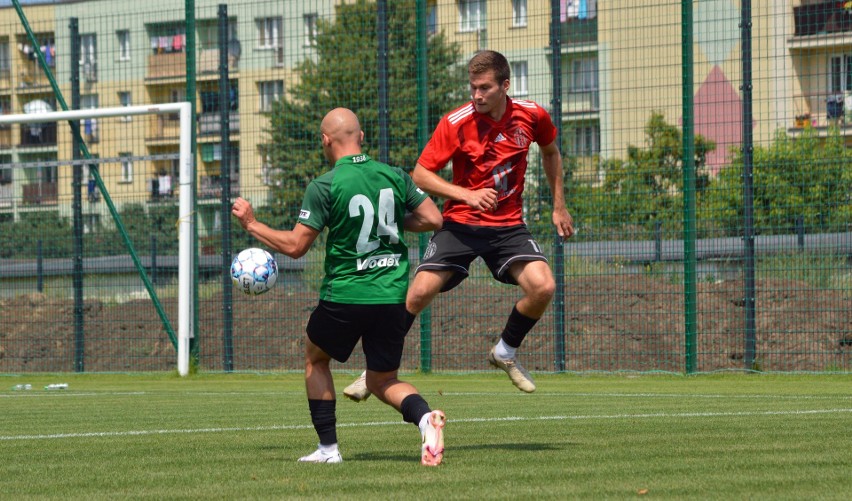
(344,73)
(647,187)
(805,177)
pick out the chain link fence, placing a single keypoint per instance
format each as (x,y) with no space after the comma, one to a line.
(704,146)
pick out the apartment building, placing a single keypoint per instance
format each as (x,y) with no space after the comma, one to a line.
(618,65)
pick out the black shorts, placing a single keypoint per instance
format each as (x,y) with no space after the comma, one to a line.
(455,246)
(337,327)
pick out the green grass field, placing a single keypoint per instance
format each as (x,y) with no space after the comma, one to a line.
(237,436)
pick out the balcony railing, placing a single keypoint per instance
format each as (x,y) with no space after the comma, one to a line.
(211,186)
(210,123)
(580,31)
(5,136)
(164,127)
(38,134)
(208,61)
(167,65)
(7,193)
(822,18)
(40,194)
(586,101)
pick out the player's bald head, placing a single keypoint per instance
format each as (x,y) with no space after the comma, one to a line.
(341,126)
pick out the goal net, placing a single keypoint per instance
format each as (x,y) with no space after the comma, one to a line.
(55,193)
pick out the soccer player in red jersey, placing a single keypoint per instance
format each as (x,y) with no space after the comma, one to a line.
(488,140)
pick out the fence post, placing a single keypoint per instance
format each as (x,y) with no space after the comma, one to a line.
(689,286)
(422,135)
(39,267)
(153,259)
(800,232)
(189,15)
(748,189)
(558,247)
(77,204)
(382,60)
(225,177)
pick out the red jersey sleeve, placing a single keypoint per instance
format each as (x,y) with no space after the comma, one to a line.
(545,131)
(441,147)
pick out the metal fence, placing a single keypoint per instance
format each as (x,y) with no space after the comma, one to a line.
(704,146)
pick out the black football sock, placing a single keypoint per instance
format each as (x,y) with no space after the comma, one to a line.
(517,328)
(324,420)
(413,408)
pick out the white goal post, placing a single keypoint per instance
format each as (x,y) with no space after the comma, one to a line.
(186,259)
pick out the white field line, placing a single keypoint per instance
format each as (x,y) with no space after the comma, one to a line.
(655,415)
(65,393)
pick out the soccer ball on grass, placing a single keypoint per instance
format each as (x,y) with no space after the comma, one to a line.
(254,271)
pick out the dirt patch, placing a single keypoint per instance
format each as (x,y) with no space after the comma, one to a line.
(611,323)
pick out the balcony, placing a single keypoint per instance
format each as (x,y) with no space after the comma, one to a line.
(5,136)
(32,78)
(163,129)
(580,31)
(210,123)
(40,194)
(166,65)
(34,135)
(211,187)
(821,19)
(581,102)
(208,61)
(7,194)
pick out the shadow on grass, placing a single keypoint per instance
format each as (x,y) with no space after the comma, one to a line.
(373,456)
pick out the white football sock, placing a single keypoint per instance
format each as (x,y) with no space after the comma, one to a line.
(504,351)
(424,422)
(328,449)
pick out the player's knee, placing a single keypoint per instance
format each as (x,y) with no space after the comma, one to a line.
(542,290)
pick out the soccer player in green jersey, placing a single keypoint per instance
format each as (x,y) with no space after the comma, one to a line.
(366,206)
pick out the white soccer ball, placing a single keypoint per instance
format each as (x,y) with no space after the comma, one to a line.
(254,271)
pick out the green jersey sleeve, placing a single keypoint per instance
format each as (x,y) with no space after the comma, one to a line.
(316,203)
(414,196)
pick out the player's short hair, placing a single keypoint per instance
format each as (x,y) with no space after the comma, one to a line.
(489,60)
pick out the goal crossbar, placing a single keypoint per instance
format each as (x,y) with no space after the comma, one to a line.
(186,218)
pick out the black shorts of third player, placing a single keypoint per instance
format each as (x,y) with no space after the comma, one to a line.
(455,246)
(336,328)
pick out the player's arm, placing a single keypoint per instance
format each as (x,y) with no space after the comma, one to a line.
(484,199)
(294,243)
(425,217)
(551,160)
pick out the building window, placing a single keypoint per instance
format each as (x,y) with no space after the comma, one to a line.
(269,93)
(587,140)
(88,57)
(841,74)
(5,62)
(583,91)
(471,15)
(125,99)
(519,13)
(432,17)
(269,33)
(89,125)
(123,37)
(126,168)
(519,78)
(311,30)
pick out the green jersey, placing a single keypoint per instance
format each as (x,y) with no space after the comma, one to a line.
(363,203)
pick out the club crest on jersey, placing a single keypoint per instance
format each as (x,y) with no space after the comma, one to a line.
(521,139)
(380,261)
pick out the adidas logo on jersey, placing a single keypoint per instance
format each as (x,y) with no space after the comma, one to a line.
(500,137)
(381,261)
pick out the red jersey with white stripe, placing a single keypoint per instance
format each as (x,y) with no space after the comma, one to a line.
(488,154)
